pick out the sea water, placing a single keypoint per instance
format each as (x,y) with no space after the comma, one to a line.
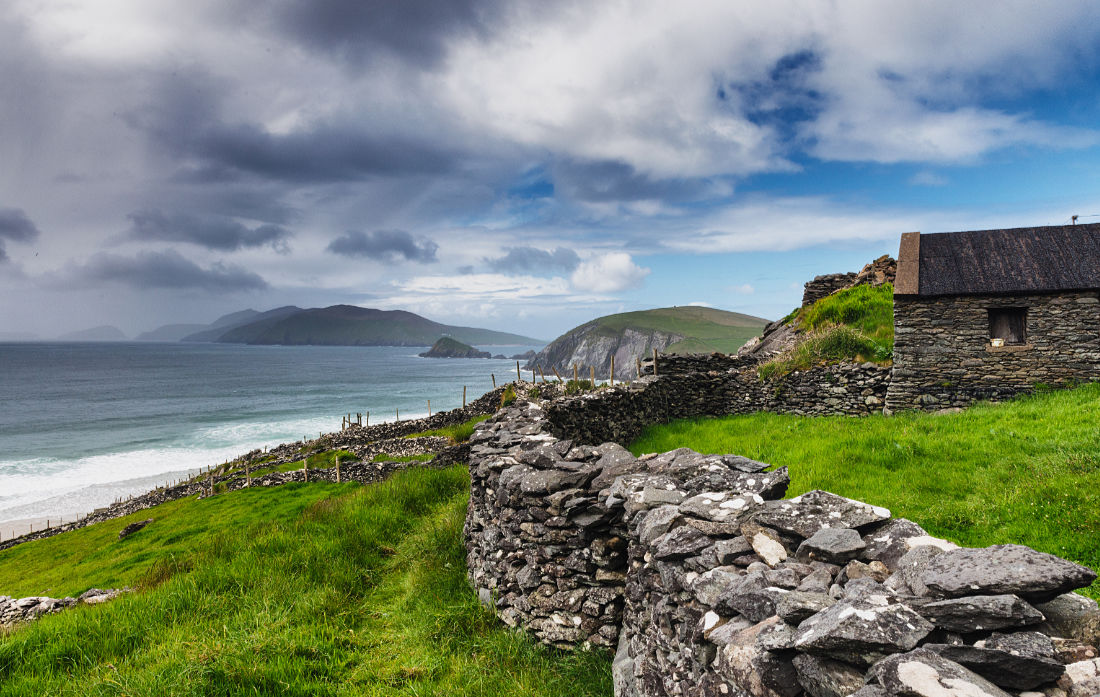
(84,424)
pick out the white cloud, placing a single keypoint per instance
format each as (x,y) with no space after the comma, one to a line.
(744,289)
(608,273)
(927,178)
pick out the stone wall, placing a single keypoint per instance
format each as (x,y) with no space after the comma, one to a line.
(619,414)
(709,583)
(825,285)
(943,357)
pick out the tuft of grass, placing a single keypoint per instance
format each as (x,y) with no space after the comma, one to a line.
(578,386)
(362,592)
(854,324)
(323,460)
(508,397)
(534,393)
(1026,471)
(459,433)
(383,457)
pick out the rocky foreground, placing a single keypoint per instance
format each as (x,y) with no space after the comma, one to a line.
(715,585)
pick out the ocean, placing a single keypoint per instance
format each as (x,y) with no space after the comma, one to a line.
(84,424)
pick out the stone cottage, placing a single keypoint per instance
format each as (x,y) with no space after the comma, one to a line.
(987,314)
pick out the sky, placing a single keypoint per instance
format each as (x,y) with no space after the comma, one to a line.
(523,166)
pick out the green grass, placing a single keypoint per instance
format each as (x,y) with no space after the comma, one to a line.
(322,460)
(459,433)
(360,593)
(1025,472)
(705,329)
(854,324)
(383,457)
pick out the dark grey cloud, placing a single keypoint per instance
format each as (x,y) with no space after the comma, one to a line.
(355,31)
(168,269)
(384,244)
(213,232)
(534,259)
(17,227)
(602,181)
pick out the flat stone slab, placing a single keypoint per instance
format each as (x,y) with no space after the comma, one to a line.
(923,673)
(1019,661)
(806,514)
(978,613)
(1000,569)
(861,632)
(889,542)
(768,485)
(721,506)
(680,542)
(832,545)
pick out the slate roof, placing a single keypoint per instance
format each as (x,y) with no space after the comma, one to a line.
(1019,260)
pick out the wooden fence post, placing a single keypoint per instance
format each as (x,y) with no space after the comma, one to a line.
(398,412)
(592,375)
(556,374)
(494,377)
(518,377)
(612,373)
(574,372)
(247,475)
(429,408)
(337,469)
(463,396)
(654,361)
(541,374)
(305,468)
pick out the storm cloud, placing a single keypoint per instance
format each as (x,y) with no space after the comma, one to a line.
(386,245)
(534,259)
(15,226)
(165,270)
(211,232)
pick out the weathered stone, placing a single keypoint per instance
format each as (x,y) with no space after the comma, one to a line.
(888,542)
(751,596)
(797,606)
(726,551)
(680,542)
(133,527)
(1081,679)
(818,581)
(922,673)
(1020,661)
(655,523)
(1000,569)
(834,545)
(766,485)
(824,677)
(912,566)
(806,514)
(861,632)
(710,585)
(1072,650)
(721,506)
(978,613)
(1072,616)
(765,542)
(745,664)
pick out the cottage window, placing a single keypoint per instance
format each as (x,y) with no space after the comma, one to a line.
(1008,323)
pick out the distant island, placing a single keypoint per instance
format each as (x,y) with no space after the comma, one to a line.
(338,325)
(450,348)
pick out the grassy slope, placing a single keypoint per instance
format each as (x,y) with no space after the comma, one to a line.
(1024,472)
(363,593)
(706,329)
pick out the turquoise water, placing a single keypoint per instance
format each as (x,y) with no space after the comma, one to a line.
(84,424)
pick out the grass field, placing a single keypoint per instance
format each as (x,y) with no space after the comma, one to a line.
(296,590)
(706,329)
(1024,472)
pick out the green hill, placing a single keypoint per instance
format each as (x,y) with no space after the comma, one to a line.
(632,335)
(347,325)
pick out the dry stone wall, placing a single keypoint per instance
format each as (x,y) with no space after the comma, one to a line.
(619,414)
(707,582)
(943,357)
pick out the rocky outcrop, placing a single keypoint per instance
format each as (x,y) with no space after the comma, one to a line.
(447,347)
(709,583)
(16,610)
(592,345)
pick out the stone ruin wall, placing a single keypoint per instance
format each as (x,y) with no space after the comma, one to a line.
(707,583)
(943,357)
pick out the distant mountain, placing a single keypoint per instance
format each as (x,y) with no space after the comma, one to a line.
(214,331)
(103,333)
(634,335)
(347,325)
(170,332)
(449,348)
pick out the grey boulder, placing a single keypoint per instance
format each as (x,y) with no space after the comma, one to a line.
(824,677)
(1019,661)
(861,632)
(832,545)
(806,514)
(1015,569)
(923,673)
(979,613)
